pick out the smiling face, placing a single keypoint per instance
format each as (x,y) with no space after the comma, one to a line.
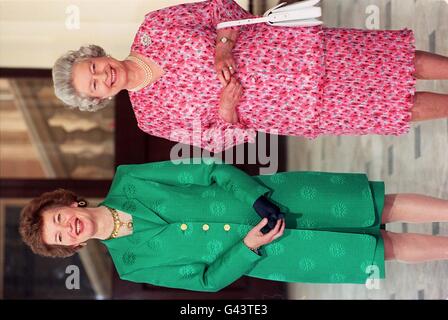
(67,226)
(101,77)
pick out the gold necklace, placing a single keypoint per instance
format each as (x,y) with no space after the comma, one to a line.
(148,72)
(118,223)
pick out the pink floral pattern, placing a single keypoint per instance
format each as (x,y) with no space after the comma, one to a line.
(369,82)
(289,77)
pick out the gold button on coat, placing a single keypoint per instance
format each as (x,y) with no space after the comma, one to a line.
(205,227)
(226,227)
(183,227)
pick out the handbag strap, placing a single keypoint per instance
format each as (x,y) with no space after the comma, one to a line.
(302,13)
(235,23)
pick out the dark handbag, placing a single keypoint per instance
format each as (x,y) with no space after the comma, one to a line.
(266,209)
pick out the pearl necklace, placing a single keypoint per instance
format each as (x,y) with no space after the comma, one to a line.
(118,223)
(148,72)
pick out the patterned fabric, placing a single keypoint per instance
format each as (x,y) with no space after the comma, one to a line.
(280,80)
(369,84)
(297,81)
(190,219)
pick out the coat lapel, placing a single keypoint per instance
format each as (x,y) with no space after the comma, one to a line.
(145,220)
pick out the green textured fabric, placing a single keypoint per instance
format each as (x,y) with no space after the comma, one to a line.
(332,221)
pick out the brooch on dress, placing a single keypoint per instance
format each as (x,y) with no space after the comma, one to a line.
(145,39)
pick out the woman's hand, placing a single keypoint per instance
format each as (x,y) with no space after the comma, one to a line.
(225,66)
(255,238)
(230,97)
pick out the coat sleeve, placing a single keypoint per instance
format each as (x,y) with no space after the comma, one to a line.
(206,13)
(200,171)
(221,135)
(212,134)
(226,10)
(226,269)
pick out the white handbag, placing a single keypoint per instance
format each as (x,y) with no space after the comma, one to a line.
(300,14)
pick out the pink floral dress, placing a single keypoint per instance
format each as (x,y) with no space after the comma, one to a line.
(297,81)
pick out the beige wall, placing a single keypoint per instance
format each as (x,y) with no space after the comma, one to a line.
(33,33)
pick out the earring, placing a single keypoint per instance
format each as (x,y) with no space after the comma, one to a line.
(82,203)
(110,98)
(79,246)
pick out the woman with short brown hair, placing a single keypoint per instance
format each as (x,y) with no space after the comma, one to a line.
(32,223)
(197,226)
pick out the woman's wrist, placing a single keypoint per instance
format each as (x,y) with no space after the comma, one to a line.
(255,250)
(251,247)
(226,39)
(223,49)
(225,43)
(228,115)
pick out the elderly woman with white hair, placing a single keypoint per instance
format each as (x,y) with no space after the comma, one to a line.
(185,78)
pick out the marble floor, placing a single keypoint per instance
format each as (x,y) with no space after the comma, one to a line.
(414,163)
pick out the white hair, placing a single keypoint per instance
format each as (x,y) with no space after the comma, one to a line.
(63,82)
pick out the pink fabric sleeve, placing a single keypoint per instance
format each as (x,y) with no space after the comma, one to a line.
(227,10)
(206,13)
(221,135)
(214,135)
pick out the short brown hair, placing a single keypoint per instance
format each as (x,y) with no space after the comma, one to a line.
(31,222)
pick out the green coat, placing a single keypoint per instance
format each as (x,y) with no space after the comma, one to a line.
(190,219)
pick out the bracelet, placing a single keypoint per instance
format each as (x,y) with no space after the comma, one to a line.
(224,41)
(256,250)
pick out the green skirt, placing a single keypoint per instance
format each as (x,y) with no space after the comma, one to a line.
(378,192)
(333,229)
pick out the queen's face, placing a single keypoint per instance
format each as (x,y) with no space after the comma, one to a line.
(101,77)
(67,226)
